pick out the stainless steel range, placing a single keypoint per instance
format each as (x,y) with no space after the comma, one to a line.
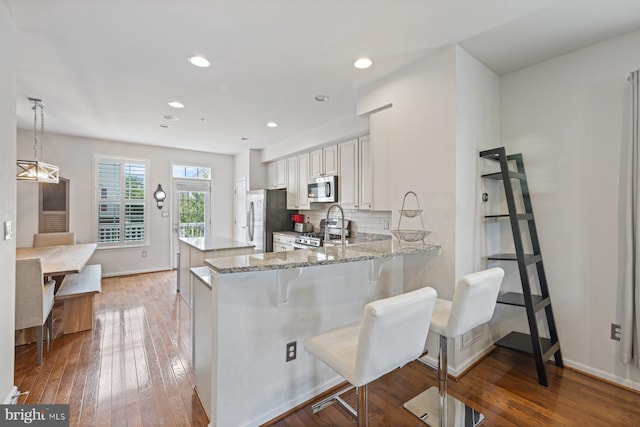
(308,240)
(314,239)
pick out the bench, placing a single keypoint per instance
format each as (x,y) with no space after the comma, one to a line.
(77,292)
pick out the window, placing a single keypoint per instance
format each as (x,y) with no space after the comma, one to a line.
(191,172)
(120,201)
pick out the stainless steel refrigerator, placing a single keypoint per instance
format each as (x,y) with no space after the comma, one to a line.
(267,212)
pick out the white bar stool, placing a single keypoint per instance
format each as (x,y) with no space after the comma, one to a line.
(392,333)
(474,301)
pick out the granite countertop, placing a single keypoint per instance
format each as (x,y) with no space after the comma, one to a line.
(202,273)
(321,256)
(288,233)
(214,243)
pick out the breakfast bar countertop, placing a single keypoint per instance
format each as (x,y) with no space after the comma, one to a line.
(319,256)
(214,243)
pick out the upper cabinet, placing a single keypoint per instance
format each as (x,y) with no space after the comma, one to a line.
(365,198)
(292,182)
(297,180)
(303,181)
(276,172)
(323,162)
(349,175)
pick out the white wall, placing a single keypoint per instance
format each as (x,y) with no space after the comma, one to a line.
(423,150)
(423,153)
(248,164)
(477,128)
(8,198)
(568,117)
(74,156)
(340,130)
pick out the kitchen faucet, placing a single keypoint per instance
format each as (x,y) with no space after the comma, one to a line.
(326,230)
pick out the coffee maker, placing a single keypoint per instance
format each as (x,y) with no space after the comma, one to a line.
(299,225)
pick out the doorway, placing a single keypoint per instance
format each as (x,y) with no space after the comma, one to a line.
(191,211)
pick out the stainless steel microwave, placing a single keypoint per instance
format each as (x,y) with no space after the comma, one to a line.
(323,189)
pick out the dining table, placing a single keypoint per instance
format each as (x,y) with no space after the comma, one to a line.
(57,262)
(60,260)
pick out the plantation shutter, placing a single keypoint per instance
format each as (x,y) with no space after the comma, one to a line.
(121,203)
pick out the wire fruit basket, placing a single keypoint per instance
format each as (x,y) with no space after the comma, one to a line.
(408,235)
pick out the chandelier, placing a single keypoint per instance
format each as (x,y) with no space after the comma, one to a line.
(34,170)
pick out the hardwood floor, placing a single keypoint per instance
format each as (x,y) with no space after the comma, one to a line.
(134,368)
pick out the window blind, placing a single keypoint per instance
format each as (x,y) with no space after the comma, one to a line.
(121,203)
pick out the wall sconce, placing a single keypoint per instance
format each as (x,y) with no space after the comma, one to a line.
(159,195)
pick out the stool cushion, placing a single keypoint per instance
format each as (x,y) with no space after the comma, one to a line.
(337,349)
(392,333)
(474,301)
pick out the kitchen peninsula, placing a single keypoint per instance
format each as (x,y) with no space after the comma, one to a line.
(259,304)
(194,250)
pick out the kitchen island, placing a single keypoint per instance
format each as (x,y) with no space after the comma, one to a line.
(261,303)
(194,250)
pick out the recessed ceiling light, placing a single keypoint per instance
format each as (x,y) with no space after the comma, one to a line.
(163,125)
(272,124)
(199,61)
(321,98)
(363,63)
(176,104)
(170,117)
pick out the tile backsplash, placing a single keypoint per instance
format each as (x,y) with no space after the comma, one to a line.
(373,222)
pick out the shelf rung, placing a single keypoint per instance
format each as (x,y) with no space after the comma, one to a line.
(522,343)
(517,299)
(528,258)
(498,175)
(521,217)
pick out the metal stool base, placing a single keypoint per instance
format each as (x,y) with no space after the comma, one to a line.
(425,406)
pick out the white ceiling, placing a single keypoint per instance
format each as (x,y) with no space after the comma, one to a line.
(106,69)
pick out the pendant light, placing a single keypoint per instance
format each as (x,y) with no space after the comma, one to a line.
(34,170)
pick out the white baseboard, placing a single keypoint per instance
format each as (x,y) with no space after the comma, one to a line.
(127,273)
(284,407)
(12,392)
(626,382)
(456,371)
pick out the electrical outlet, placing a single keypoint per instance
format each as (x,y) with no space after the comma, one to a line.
(616,332)
(291,351)
(386,224)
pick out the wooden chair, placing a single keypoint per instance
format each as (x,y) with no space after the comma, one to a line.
(53,239)
(34,300)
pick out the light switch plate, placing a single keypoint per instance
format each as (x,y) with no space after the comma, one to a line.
(8,230)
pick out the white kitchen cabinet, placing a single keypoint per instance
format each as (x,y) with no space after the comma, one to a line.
(330,157)
(365,199)
(349,172)
(303,181)
(292,183)
(297,180)
(323,162)
(283,242)
(316,167)
(276,172)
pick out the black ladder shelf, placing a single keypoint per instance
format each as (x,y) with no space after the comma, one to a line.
(541,348)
